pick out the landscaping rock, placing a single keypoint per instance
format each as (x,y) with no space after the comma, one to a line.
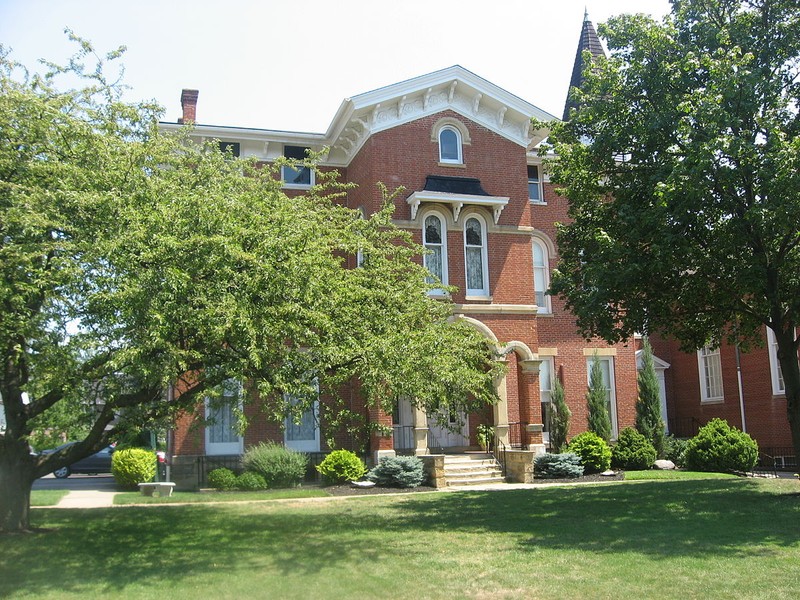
(362,484)
(664,465)
(608,473)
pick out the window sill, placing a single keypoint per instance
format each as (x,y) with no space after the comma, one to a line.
(438,295)
(537,202)
(478,298)
(456,165)
(297,186)
(713,401)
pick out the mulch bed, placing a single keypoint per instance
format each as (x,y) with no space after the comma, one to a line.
(595,478)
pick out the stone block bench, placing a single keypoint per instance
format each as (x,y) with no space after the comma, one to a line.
(164,488)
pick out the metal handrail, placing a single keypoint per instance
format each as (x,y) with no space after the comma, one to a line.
(499,453)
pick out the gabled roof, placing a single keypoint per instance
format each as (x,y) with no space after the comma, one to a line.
(588,41)
(454,88)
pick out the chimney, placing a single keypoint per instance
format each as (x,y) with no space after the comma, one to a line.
(189,106)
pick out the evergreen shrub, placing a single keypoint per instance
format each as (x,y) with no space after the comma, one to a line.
(279,466)
(222,479)
(720,448)
(342,465)
(593,450)
(250,482)
(398,471)
(132,466)
(557,466)
(633,451)
(675,450)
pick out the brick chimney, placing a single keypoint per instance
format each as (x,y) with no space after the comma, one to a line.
(189,106)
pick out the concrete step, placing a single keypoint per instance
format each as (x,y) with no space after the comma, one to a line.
(474,468)
(475,481)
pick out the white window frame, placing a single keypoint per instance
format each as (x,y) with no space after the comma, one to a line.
(443,223)
(296,186)
(546,374)
(307,445)
(538,183)
(484,291)
(544,269)
(223,448)
(611,391)
(708,360)
(778,384)
(459,160)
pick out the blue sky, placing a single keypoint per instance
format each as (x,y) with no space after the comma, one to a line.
(288,65)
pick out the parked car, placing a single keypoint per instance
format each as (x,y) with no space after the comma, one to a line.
(99,462)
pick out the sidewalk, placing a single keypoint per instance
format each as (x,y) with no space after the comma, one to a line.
(87,499)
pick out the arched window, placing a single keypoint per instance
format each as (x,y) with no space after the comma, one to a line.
(450,145)
(434,238)
(541,276)
(475,257)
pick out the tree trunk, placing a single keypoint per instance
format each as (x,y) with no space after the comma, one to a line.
(16,479)
(790,369)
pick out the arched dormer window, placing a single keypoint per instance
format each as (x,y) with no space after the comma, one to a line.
(541,276)
(450,145)
(476,259)
(434,238)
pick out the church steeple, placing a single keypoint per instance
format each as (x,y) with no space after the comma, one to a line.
(588,41)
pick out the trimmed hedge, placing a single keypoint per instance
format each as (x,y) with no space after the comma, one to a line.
(342,465)
(593,450)
(132,466)
(633,451)
(720,448)
(557,466)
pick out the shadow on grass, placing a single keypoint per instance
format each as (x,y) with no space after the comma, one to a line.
(107,550)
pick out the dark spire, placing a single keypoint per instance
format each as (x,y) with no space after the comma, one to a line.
(589,41)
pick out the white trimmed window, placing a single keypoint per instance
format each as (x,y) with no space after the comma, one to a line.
(476,258)
(541,276)
(778,385)
(545,389)
(434,238)
(535,185)
(607,369)
(450,145)
(710,368)
(298,176)
(222,431)
(301,431)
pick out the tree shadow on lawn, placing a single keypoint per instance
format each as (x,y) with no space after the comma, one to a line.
(106,550)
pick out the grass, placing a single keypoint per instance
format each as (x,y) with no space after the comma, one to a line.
(709,538)
(181,497)
(47,497)
(674,474)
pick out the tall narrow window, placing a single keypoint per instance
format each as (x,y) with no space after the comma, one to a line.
(475,257)
(541,276)
(778,385)
(222,432)
(298,175)
(607,369)
(545,387)
(434,238)
(301,431)
(450,145)
(534,185)
(710,368)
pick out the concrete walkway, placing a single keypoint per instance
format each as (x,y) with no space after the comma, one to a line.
(87,499)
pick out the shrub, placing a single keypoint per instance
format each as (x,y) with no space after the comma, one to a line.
(718,447)
(556,466)
(648,405)
(132,466)
(342,465)
(560,415)
(398,471)
(633,451)
(675,450)
(222,479)
(279,466)
(594,452)
(250,482)
(597,402)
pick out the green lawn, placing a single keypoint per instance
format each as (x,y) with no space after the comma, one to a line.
(673,474)
(710,538)
(180,497)
(47,497)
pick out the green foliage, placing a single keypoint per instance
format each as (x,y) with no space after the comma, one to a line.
(132,466)
(593,451)
(648,405)
(398,471)
(633,451)
(681,169)
(250,482)
(485,435)
(556,466)
(342,465)
(675,450)
(222,479)
(718,447)
(560,416)
(597,402)
(279,466)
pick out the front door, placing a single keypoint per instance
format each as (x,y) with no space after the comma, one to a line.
(449,430)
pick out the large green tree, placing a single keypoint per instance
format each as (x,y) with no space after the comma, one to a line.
(133,261)
(682,170)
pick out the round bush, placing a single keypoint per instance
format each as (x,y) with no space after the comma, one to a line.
(718,447)
(250,482)
(398,471)
(594,452)
(675,450)
(279,466)
(557,466)
(342,465)
(633,451)
(222,479)
(132,466)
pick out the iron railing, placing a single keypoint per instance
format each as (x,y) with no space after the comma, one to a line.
(685,427)
(434,444)
(783,457)
(499,453)
(765,466)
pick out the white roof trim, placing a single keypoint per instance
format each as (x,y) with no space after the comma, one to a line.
(457,202)
(659,364)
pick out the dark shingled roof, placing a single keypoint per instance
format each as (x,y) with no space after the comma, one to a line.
(454,185)
(591,42)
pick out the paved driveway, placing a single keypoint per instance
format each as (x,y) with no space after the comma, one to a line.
(104,483)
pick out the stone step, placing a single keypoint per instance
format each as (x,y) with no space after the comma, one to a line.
(475,481)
